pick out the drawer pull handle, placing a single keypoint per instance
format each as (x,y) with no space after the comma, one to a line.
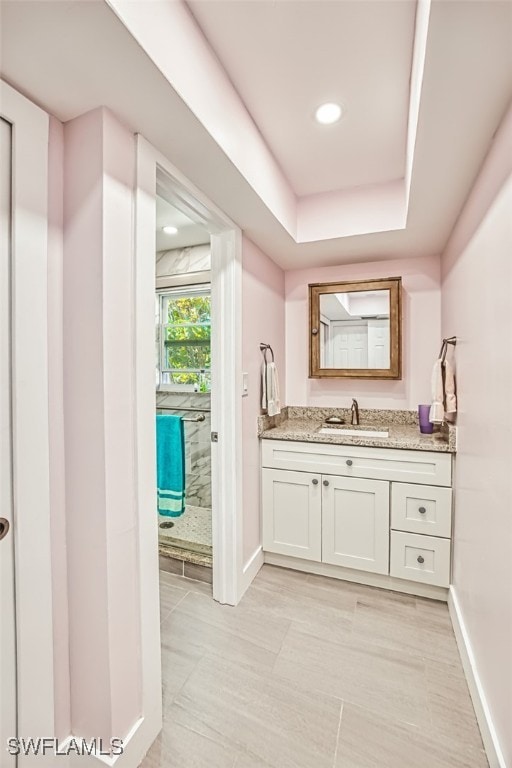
(326,483)
(422,510)
(314,481)
(421,559)
(349,462)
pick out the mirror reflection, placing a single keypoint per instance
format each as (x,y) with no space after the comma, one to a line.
(354,329)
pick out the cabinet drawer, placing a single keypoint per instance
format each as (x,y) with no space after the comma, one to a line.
(425,467)
(420,558)
(421,509)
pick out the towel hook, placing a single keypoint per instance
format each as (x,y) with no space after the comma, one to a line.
(264,347)
(444,347)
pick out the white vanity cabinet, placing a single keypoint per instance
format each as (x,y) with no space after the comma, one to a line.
(383,511)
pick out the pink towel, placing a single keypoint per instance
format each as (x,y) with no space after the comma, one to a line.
(443,391)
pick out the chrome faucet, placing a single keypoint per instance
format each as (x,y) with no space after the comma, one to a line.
(355,413)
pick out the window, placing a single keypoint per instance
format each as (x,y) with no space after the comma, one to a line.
(184,328)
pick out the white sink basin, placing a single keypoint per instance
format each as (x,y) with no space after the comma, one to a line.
(354,432)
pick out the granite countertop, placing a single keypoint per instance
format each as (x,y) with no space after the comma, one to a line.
(303,425)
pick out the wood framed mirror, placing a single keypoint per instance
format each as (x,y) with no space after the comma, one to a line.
(355,329)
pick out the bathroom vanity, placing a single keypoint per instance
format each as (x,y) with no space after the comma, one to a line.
(371,504)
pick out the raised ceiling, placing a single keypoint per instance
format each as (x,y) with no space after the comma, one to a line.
(287,58)
(161,77)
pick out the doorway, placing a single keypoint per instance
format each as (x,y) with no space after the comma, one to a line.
(183,355)
(8,725)
(157,177)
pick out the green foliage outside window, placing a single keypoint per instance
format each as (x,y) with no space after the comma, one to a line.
(187,340)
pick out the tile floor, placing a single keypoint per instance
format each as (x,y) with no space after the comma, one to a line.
(310,672)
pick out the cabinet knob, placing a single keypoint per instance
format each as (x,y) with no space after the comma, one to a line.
(421,559)
(422,510)
(4,527)
(349,462)
(314,331)
(326,482)
(314,481)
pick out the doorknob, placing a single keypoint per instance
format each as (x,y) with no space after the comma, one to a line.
(4,527)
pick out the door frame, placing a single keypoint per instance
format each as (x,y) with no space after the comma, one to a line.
(30,420)
(8,725)
(156,174)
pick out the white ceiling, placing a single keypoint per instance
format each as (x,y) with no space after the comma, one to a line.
(287,58)
(354,305)
(189,233)
(71,56)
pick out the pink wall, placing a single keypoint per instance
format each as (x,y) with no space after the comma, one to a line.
(56,429)
(421,298)
(476,294)
(83,404)
(103,568)
(263,319)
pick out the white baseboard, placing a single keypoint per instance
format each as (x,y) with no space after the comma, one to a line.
(251,568)
(359,577)
(135,746)
(482,712)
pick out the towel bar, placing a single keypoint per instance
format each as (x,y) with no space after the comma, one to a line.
(201,416)
(182,408)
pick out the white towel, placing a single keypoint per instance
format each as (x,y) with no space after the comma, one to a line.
(443,391)
(450,399)
(270,390)
(437,407)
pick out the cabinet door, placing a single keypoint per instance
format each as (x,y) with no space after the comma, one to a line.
(292,513)
(355,523)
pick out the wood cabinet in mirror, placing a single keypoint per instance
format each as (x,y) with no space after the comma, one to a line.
(355,329)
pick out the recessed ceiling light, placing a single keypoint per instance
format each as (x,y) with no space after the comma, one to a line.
(328,113)
(170,230)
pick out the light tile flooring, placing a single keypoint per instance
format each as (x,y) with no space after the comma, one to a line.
(310,672)
(193,530)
